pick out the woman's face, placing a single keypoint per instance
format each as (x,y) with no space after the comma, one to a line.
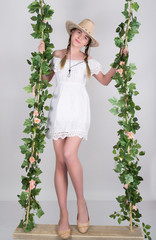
(79,38)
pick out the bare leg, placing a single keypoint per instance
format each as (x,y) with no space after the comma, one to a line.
(61,183)
(76,174)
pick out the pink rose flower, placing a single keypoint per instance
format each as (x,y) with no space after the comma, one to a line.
(37,120)
(32,159)
(122,63)
(137,191)
(126,186)
(27,190)
(135,208)
(35,113)
(32,184)
(33,92)
(129,135)
(127,201)
(44,21)
(120,70)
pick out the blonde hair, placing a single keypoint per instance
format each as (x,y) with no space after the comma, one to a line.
(86,59)
(63,60)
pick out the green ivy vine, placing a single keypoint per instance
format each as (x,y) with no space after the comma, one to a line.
(127,150)
(35,125)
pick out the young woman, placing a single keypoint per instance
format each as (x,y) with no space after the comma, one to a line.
(69,115)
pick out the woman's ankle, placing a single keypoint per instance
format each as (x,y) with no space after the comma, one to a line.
(64,214)
(81,200)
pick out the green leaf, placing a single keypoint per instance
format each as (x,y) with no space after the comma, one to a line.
(39,212)
(33,7)
(36,191)
(31,101)
(38,36)
(114,110)
(131,33)
(125,12)
(114,151)
(46,108)
(35,205)
(27,129)
(21,224)
(27,122)
(132,86)
(25,163)
(137,107)
(38,171)
(36,60)
(132,66)
(147,226)
(128,178)
(118,29)
(23,196)
(135,6)
(113,101)
(29,226)
(23,148)
(28,89)
(119,220)
(138,146)
(135,23)
(119,42)
(45,68)
(27,140)
(136,93)
(121,103)
(49,95)
(118,168)
(28,62)
(34,18)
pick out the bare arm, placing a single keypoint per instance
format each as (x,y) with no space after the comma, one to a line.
(105,79)
(49,77)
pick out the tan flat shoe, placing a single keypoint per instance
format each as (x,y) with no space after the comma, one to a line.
(83,227)
(65,234)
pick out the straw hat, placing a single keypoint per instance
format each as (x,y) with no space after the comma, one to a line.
(87,26)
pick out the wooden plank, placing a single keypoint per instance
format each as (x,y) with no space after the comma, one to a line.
(95,232)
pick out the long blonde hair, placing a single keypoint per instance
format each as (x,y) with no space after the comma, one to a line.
(63,60)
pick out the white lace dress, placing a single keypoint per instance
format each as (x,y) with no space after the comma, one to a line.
(69,113)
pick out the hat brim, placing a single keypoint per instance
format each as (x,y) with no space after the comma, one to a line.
(70,25)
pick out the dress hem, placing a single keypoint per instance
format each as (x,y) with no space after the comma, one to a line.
(63,135)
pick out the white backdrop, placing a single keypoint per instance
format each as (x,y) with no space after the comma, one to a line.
(100,181)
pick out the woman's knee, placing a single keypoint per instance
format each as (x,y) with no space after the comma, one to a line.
(70,150)
(60,162)
(69,155)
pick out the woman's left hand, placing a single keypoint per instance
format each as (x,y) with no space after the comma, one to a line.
(124,51)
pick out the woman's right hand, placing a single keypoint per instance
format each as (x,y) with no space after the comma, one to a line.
(41,47)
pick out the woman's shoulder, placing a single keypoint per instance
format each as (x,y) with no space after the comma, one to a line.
(59,53)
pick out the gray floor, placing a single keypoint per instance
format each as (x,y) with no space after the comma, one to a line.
(99,211)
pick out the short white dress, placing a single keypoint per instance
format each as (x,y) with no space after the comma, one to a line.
(69,113)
